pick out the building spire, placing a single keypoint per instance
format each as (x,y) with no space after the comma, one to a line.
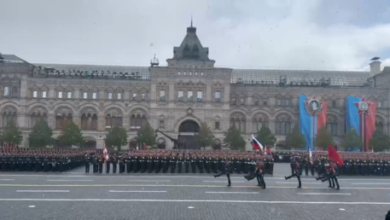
(191,20)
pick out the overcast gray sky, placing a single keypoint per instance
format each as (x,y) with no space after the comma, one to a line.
(286,34)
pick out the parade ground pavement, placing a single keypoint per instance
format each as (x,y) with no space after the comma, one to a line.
(75,195)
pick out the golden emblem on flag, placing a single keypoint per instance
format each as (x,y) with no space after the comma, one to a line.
(313,106)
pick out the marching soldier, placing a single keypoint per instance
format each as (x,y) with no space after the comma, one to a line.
(187,163)
(228,169)
(172,163)
(199,162)
(108,164)
(114,162)
(128,164)
(100,163)
(193,164)
(86,162)
(165,164)
(157,164)
(207,163)
(259,174)
(121,164)
(135,163)
(296,172)
(179,163)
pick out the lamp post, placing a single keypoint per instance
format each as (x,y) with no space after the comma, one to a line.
(363,107)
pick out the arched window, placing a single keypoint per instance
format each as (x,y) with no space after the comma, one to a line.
(89,121)
(138,119)
(282,125)
(238,120)
(332,124)
(9,116)
(113,119)
(37,115)
(62,120)
(259,121)
(255,102)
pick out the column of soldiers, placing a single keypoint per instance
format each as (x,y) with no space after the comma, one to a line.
(363,164)
(171,161)
(41,160)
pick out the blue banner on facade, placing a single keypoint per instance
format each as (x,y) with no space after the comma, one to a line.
(351,114)
(305,121)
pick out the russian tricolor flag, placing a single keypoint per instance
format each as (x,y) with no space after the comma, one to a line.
(354,118)
(256,144)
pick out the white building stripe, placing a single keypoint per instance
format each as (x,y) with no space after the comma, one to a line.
(149,180)
(219,181)
(69,180)
(44,191)
(370,183)
(296,182)
(6,179)
(131,191)
(194,201)
(232,192)
(326,194)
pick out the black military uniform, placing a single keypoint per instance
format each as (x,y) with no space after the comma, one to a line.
(296,172)
(114,162)
(187,164)
(172,163)
(157,164)
(228,169)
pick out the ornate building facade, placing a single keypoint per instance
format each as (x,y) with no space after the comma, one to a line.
(176,98)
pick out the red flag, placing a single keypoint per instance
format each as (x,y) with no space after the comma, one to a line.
(370,125)
(332,153)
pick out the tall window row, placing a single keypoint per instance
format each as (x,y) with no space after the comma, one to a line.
(190,96)
(84,95)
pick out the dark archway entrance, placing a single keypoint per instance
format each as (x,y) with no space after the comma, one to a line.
(161,143)
(217,144)
(187,131)
(90,143)
(133,143)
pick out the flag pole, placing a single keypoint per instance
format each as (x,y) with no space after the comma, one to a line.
(363,131)
(313,118)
